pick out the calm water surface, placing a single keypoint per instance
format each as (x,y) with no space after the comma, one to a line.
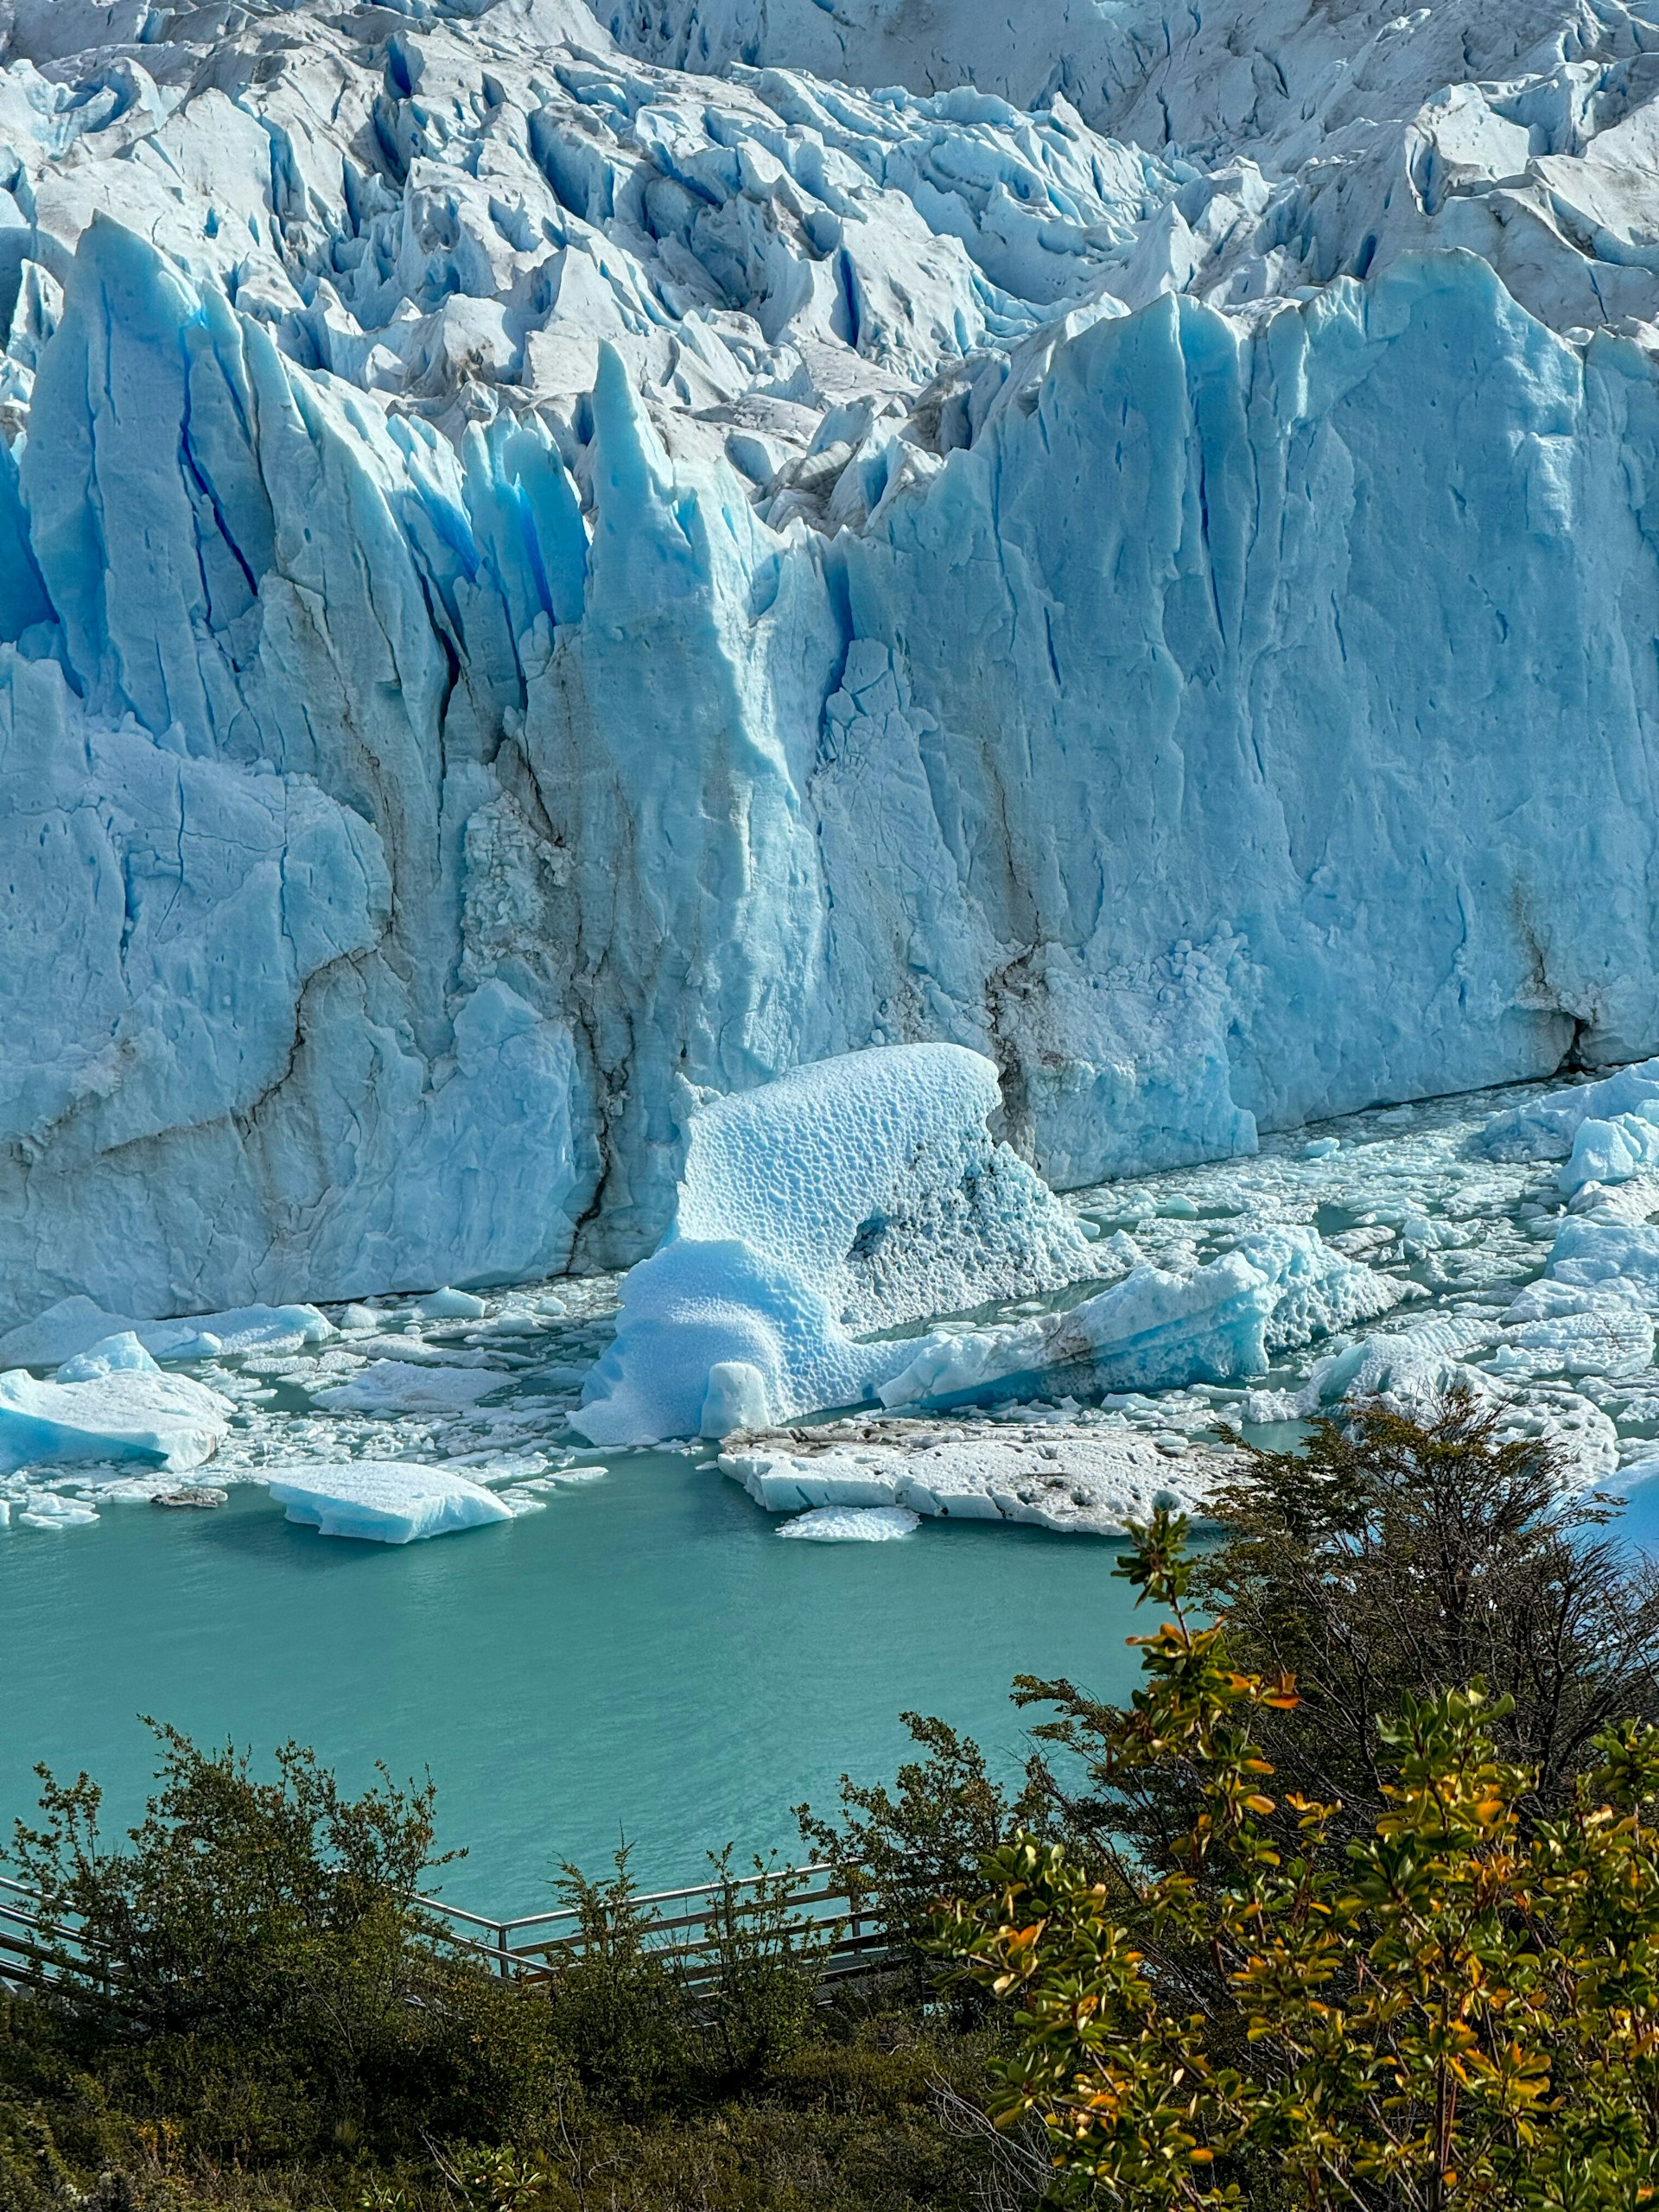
(645,1656)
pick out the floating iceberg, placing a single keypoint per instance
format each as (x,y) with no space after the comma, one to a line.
(397,1386)
(1074,1481)
(1604,1132)
(75,1324)
(383,1502)
(861,1193)
(119,1409)
(852,1524)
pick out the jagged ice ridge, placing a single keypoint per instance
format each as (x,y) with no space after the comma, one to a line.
(537,588)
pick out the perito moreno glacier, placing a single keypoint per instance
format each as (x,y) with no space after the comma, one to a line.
(555,565)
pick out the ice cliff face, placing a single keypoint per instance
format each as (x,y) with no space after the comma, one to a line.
(537,587)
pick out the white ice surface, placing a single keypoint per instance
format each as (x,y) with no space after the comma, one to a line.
(1481,1255)
(166,1420)
(397,1386)
(1069,1479)
(860,1193)
(383,1502)
(852,1524)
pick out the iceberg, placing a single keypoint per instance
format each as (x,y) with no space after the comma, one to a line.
(1606,1132)
(542,584)
(1071,1481)
(852,1524)
(395,1386)
(384,1502)
(116,1409)
(861,1193)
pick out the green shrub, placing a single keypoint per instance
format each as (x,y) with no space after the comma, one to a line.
(254,1962)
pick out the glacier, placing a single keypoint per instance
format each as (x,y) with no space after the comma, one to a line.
(556,565)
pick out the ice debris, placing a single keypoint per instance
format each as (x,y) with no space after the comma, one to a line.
(1604,1132)
(385,1502)
(405,1385)
(1086,1481)
(852,1524)
(860,1193)
(1277,1290)
(76,1324)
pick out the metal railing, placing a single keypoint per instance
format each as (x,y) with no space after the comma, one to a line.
(31,1949)
(806,1907)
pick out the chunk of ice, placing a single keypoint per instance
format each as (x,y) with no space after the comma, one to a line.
(384,1502)
(401,1386)
(857,1193)
(167,1421)
(852,1524)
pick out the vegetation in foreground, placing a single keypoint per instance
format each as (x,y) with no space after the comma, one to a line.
(1379,1939)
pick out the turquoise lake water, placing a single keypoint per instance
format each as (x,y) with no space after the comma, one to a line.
(645,1656)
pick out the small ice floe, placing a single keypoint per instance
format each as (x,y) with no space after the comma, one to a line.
(852,1524)
(385,1502)
(44,1509)
(406,1386)
(450,1306)
(76,1324)
(197,1497)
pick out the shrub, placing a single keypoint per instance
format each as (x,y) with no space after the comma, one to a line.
(256,1960)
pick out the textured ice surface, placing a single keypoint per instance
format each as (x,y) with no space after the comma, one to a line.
(845,1524)
(383,1503)
(1275,1291)
(395,1386)
(1072,1479)
(1478,1252)
(858,1194)
(124,1413)
(535,586)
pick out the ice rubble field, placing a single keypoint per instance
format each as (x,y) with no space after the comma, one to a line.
(493,498)
(410,1417)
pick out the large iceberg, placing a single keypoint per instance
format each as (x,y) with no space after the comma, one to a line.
(111,1403)
(860,1194)
(539,586)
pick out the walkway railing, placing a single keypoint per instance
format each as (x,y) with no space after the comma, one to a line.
(808,1907)
(30,1947)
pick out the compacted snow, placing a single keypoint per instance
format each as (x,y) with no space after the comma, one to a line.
(557,565)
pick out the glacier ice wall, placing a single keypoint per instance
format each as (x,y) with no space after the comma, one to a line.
(537,587)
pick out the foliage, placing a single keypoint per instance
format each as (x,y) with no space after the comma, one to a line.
(1460,2008)
(898,1851)
(258,1958)
(1390,1560)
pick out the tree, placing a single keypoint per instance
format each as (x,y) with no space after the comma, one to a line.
(1390,1559)
(1459,2007)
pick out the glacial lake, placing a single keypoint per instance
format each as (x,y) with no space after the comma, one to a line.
(644,1657)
